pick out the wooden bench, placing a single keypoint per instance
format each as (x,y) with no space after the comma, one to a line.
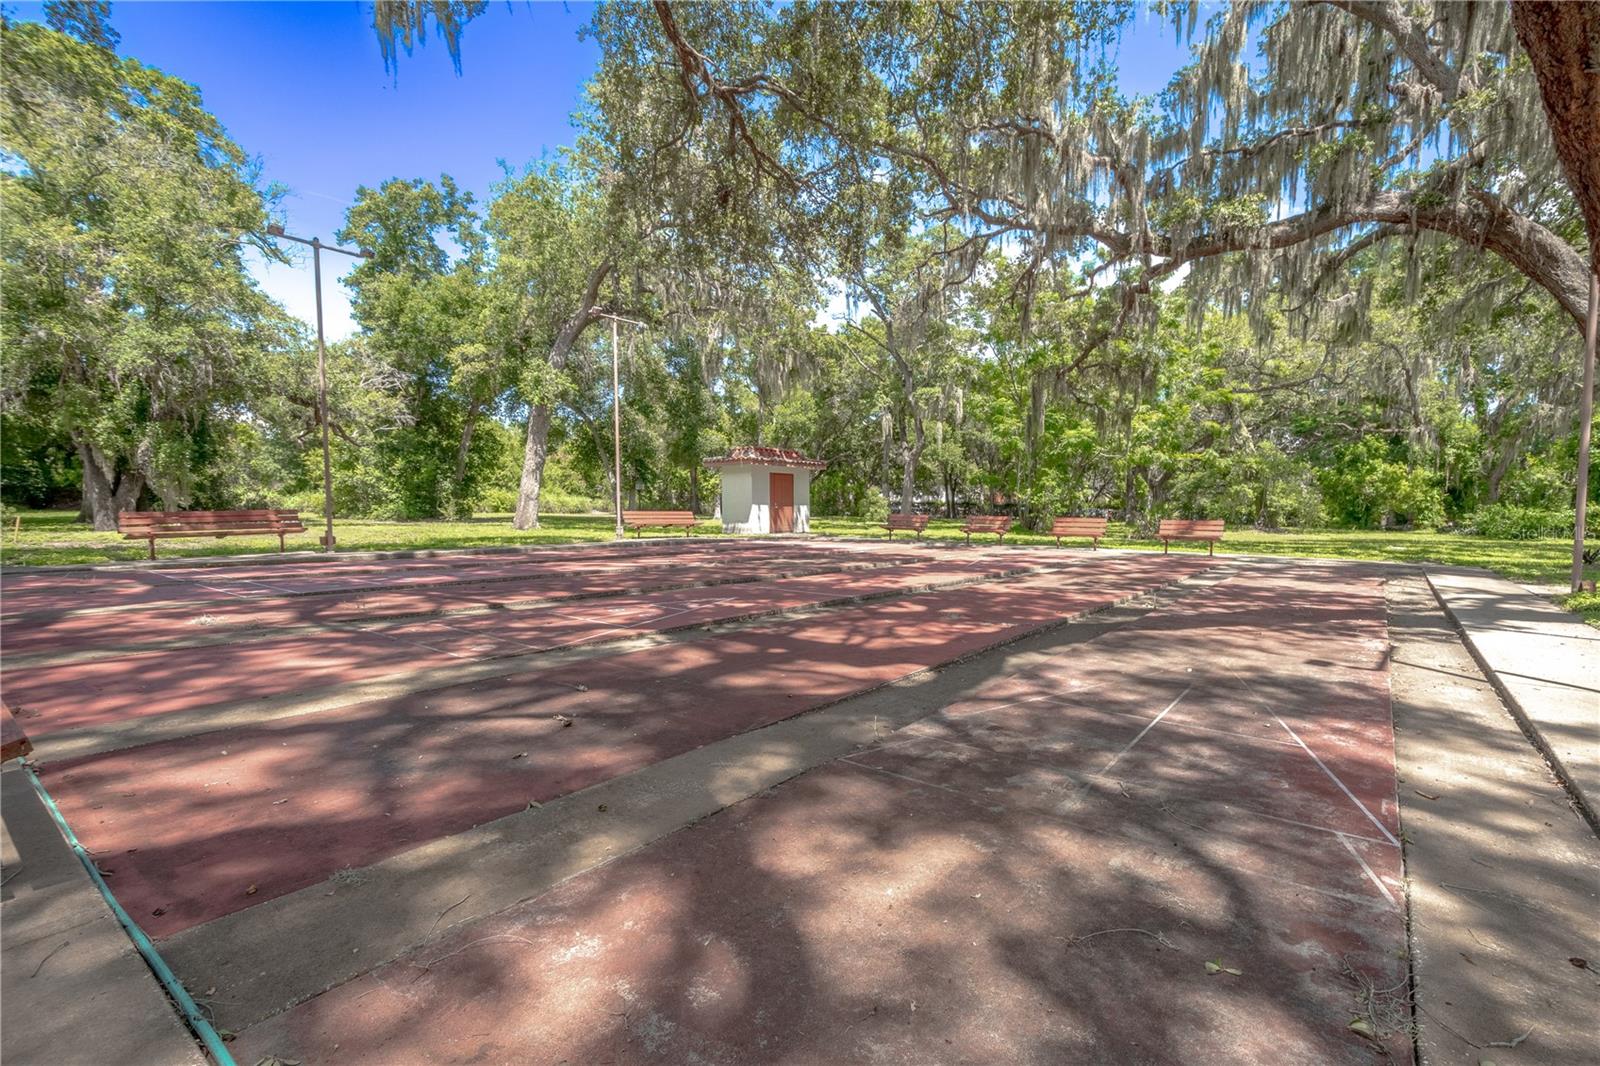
(1206,529)
(997,524)
(914,523)
(1093,528)
(637,520)
(154,525)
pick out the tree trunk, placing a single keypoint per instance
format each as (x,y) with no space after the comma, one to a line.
(105,492)
(533,456)
(1563,45)
(908,479)
(465,446)
(694,487)
(533,453)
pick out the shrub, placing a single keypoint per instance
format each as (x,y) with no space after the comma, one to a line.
(875,506)
(1507,521)
(497,500)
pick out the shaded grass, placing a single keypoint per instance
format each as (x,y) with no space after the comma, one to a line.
(56,538)
(1542,561)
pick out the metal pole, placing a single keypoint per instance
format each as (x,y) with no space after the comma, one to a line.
(322,400)
(1585,430)
(616,433)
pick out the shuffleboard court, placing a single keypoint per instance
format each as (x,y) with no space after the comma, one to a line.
(1175,843)
(210,824)
(163,623)
(85,692)
(51,594)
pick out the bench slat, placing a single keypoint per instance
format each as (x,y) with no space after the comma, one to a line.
(637,520)
(915,523)
(1071,526)
(153,525)
(1206,529)
(999,525)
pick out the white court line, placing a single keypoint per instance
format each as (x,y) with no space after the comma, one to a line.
(1152,724)
(1066,806)
(198,585)
(1065,701)
(903,777)
(1303,747)
(1351,848)
(1312,825)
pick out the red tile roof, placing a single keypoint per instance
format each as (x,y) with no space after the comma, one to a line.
(766,457)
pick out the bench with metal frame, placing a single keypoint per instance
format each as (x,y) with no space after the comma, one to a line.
(638,520)
(1068,526)
(910,523)
(1206,529)
(997,524)
(161,525)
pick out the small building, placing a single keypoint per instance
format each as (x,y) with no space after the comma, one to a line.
(765,490)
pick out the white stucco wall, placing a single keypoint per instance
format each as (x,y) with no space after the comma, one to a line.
(747,498)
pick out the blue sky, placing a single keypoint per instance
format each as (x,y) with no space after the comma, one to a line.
(302,86)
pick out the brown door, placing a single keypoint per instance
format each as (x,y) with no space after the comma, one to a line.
(782,499)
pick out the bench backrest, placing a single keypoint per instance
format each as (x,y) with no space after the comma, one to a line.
(1078,527)
(988,523)
(1192,529)
(907,521)
(265,519)
(659,518)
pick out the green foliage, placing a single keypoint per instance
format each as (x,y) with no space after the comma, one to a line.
(1509,521)
(131,327)
(874,507)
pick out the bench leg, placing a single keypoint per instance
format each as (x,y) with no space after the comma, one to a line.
(1058,542)
(152,547)
(280,543)
(1163,547)
(1095,545)
(1211,547)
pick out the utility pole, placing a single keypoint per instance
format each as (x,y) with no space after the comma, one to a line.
(1585,431)
(317,246)
(616,421)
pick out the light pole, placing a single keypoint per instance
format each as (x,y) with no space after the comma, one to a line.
(317,246)
(616,421)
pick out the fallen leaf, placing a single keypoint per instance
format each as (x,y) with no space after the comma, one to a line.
(1425,795)
(158,912)
(601,807)
(1214,966)
(519,755)
(1364,1027)
(250,891)
(1579,962)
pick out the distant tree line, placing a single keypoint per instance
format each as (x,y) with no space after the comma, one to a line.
(990,283)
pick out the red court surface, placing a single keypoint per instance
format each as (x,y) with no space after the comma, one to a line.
(77,590)
(210,824)
(107,689)
(188,612)
(1037,872)
(1037,869)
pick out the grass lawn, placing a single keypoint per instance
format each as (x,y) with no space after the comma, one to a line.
(55,538)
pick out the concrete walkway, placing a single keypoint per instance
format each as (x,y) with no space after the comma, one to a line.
(1545,664)
(1502,876)
(74,989)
